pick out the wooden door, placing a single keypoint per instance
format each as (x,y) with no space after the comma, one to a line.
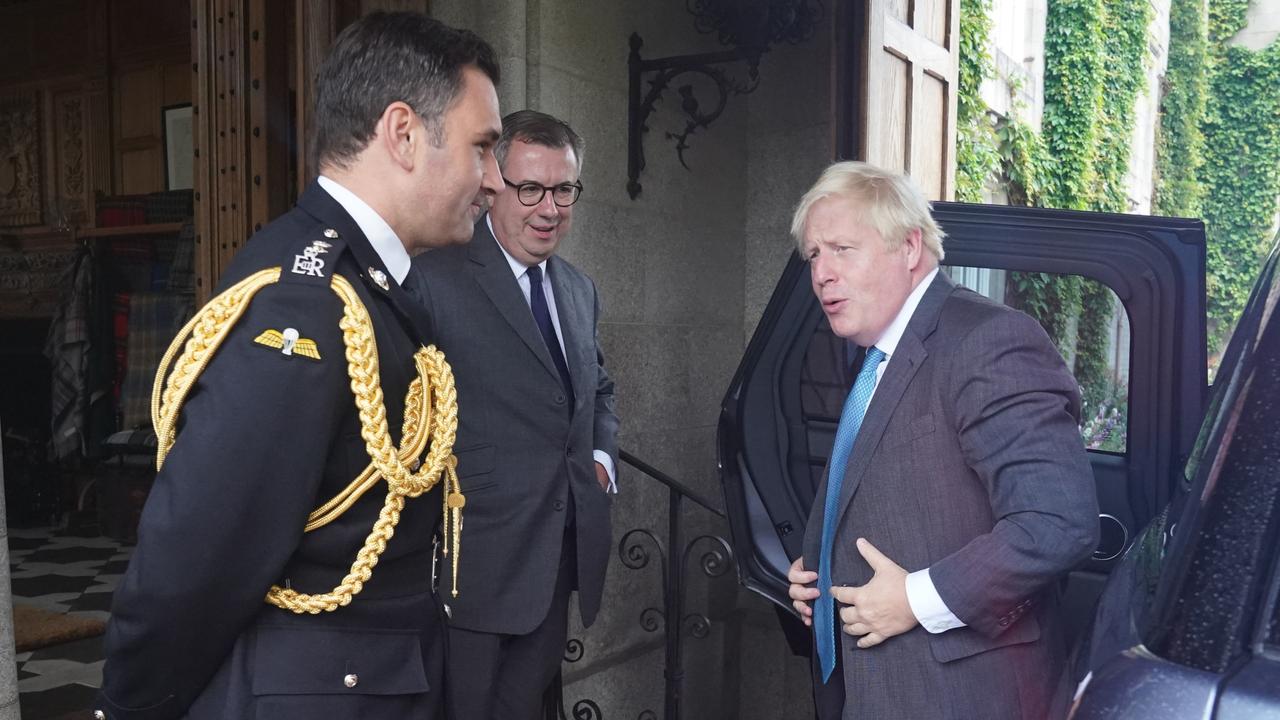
(240,126)
(896,74)
(254,90)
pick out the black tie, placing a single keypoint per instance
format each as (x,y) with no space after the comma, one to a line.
(538,303)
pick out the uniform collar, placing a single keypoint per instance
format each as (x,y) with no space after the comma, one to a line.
(384,240)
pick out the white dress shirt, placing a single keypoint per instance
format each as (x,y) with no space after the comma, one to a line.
(521,271)
(926,604)
(384,240)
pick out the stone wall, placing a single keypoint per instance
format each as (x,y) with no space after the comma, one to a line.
(1262,25)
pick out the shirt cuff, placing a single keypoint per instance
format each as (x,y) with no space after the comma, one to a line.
(927,605)
(603,458)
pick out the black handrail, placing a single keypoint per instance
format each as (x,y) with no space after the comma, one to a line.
(672,620)
(667,480)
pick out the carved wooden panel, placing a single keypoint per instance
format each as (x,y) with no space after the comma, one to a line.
(20,169)
(32,269)
(71,204)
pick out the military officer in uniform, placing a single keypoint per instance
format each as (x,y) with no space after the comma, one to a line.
(305,424)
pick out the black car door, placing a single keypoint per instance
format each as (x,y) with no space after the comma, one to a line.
(779,416)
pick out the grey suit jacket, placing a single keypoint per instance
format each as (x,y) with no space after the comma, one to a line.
(969,462)
(523,455)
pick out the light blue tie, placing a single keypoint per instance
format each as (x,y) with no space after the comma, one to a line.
(855,407)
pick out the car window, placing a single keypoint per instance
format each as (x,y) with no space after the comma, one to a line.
(1233,533)
(1094,344)
(1228,377)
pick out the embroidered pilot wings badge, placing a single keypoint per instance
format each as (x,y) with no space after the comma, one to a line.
(289,343)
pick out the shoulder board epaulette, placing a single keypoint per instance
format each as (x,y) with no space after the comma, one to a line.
(431,412)
(312,259)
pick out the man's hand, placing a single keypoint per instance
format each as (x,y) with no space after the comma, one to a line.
(802,591)
(602,477)
(878,610)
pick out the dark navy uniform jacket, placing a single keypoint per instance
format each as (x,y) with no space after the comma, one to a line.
(265,439)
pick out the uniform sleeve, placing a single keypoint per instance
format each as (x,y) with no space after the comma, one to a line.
(228,507)
(1015,407)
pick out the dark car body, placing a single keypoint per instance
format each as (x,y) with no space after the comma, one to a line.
(1193,571)
(1189,624)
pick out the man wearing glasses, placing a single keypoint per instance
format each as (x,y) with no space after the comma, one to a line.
(537,433)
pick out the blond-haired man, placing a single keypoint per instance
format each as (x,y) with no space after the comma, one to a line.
(958,493)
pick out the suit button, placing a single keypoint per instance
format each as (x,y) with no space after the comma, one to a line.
(351,680)
(559,398)
(569,452)
(559,506)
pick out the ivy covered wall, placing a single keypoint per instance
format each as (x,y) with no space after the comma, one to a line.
(1180,142)
(1240,175)
(1217,146)
(1095,68)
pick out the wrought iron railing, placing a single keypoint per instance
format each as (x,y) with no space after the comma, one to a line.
(636,549)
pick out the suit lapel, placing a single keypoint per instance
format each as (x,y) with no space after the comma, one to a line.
(573,319)
(904,364)
(493,274)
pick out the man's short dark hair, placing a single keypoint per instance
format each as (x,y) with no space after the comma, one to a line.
(383,58)
(538,128)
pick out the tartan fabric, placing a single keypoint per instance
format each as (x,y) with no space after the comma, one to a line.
(167,207)
(67,347)
(182,271)
(131,442)
(158,207)
(120,340)
(120,211)
(132,262)
(154,318)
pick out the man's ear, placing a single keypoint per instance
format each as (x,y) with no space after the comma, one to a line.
(913,245)
(398,133)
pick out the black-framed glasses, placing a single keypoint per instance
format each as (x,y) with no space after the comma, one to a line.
(531,193)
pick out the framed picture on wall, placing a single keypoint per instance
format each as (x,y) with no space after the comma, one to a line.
(179,152)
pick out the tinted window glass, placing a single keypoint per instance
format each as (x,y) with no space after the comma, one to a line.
(1237,526)
(1093,336)
(1228,378)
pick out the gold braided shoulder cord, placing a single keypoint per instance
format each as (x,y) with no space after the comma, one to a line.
(431,413)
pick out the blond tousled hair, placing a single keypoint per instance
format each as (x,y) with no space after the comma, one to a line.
(888,201)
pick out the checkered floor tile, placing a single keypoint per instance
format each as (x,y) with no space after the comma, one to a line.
(66,573)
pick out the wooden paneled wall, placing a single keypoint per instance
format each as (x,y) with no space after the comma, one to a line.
(141,94)
(150,55)
(88,79)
